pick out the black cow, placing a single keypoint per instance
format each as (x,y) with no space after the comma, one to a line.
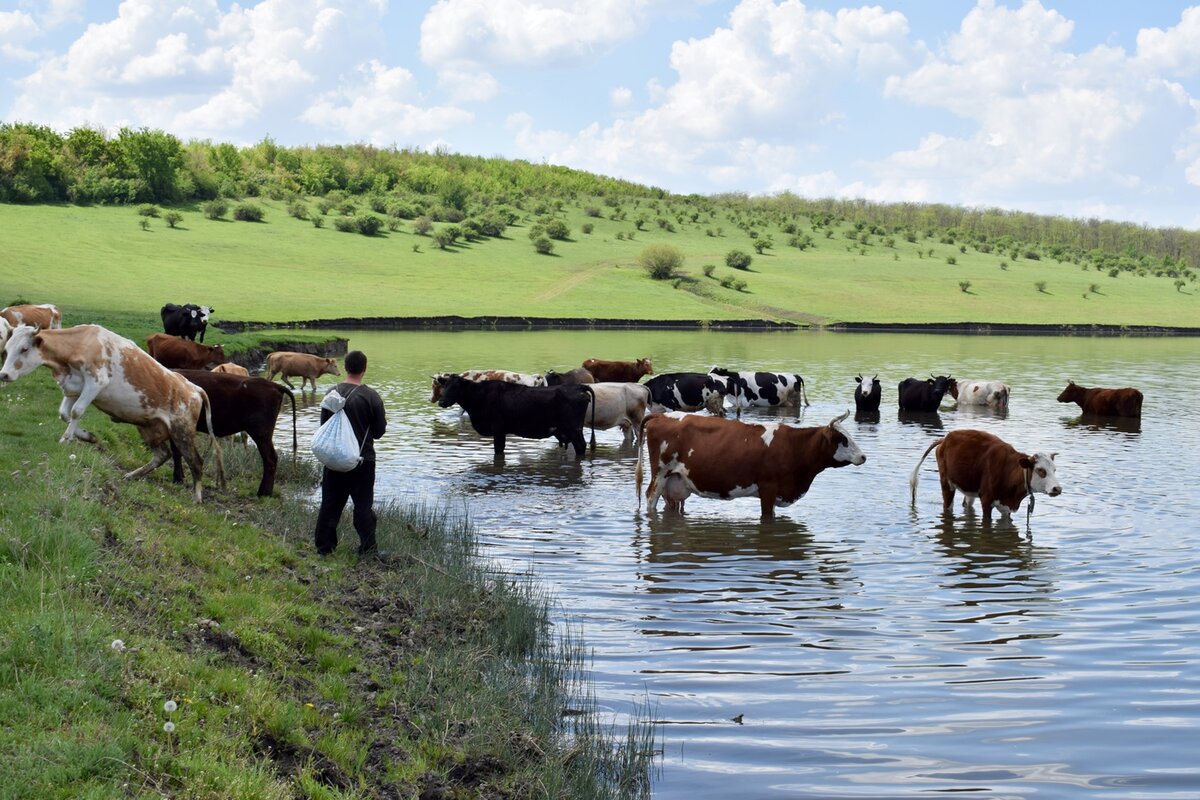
(685,391)
(185,321)
(239,404)
(868,399)
(923,395)
(498,409)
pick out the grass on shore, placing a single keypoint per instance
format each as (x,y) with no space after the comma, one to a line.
(286,269)
(294,676)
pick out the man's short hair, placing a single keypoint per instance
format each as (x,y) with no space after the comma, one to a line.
(356,362)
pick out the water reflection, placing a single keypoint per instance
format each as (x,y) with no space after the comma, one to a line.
(521,471)
(929,420)
(866,417)
(981,412)
(1096,423)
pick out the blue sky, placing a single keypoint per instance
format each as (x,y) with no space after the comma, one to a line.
(1082,109)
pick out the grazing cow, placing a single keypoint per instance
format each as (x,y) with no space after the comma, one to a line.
(685,391)
(45,316)
(577,375)
(724,458)
(175,353)
(185,321)
(923,395)
(243,405)
(981,465)
(618,371)
(93,365)
(230,368)
(477,375)
(498,409)
(616,405)
(867,399)
(299,365)
(1097,402)
(992,394)
(760,388)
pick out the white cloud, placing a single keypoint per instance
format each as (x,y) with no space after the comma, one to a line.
(620,97)
(379,108)
(468,85)
(1172,51)
(17,29)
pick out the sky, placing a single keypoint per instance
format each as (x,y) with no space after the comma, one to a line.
(1078,108)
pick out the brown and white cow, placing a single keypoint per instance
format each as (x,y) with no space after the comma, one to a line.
(175,353)
(45,315)
(725,458)
(992,394)
(230,368)
(94,366)
(618,371)
(1125,402)
(477,375)
(981,465)
(618,405)
(299,365)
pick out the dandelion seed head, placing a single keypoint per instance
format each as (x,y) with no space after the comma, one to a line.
(118,645)
(170,706)
(169,727)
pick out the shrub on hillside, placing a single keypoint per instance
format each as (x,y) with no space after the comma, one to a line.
(737,259)
(587,227)
(708,270)
(367,224)
(661,261)
(318,222)
(148,210)
(557,229)
(297,209)
(345,224)
(544,246)
(442,238)
(422,226)
(215,209)
(249,212)
(173,218)
(1040,285)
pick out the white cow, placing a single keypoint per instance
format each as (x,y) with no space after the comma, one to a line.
(993,394)
(93,365)
(618,405)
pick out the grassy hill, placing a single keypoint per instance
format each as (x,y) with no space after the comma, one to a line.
(285,268)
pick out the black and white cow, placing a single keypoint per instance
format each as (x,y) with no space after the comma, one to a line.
(498,409)
(185,321)
(685,391)
(926,395)
(760,388)
(867,394)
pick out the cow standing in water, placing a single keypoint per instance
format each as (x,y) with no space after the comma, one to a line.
(618,371)
(867,394)
(981,465)
(306,367)
(725,458)
(1125,402)
(94,366)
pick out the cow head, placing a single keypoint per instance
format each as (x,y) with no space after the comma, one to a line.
(952,387)
(867,388)
(1042,475)
(644,366)
(216,354)
(22,354)
(845,450)
(205,311)
(1072,394)
(553,378)
(328,368)
(439,381)
(941,384)
(451,390)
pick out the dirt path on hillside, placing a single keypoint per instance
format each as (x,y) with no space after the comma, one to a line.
(571,281)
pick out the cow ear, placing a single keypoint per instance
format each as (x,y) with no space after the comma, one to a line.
(193,314)
(1052,455)
(1026,462)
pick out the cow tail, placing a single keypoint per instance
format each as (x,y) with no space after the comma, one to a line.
(803,394)
(912,482)
(593,394)
(637,475)
(642,427)
(291,394)
(216,445)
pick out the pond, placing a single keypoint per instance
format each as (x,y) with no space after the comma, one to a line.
(858,646)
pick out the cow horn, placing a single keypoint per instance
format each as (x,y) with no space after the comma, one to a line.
(836,420)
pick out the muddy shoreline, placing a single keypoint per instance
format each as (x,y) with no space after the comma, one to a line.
(455,323)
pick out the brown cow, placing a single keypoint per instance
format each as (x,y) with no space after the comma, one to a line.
(725,458)
(1125,402)
(230,368)
(175,353)
(618,371)
(981,465)
(299,365)
(576,375)
(45,316)
(243,405)
(93,365)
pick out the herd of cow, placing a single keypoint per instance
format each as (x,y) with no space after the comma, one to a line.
(179,387)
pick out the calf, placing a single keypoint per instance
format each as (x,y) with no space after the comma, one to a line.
(685,391)
(93,365)
(577,375)
(981,465)
(1125,402)
(618,371)
(477,375)
(299,365)
(760,388)
(243,405)
(185,321)
(616,405)
(498,409)
(175,353)
(992,394)
(915,394)
(724,458)
(229,368)
(867,394)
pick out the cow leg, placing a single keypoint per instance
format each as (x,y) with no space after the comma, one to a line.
(270,461)
(91,388)
(498,443)
(947,495)
(287,383)
(766,502)
(579,443)
(183,435)
(156,438)
(176,464)
(653,491)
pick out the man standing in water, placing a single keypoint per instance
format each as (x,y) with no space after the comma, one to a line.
(364,409)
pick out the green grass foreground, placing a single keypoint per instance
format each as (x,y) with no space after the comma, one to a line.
(285,269)
(293,676)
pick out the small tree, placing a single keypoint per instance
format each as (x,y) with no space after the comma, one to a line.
(148,210)
(215,209)
(964,286)
(544,246)
(737,259)
(1003,265)
(761,245)
(587,227)
(144,223)
(1040,285)
(367,224)
(661,261)
(557,229)
(442,238)
(1179,284)
(249,212)
(951,260)
(422,226)
(297,209)
(318,222)
(1094,288)
(709,269)
(173,218)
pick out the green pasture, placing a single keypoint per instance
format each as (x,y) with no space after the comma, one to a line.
(91,258)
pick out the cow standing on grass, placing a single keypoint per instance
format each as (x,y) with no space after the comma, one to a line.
(45,316)
(94,366)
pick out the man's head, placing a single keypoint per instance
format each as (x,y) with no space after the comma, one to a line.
(356,362)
